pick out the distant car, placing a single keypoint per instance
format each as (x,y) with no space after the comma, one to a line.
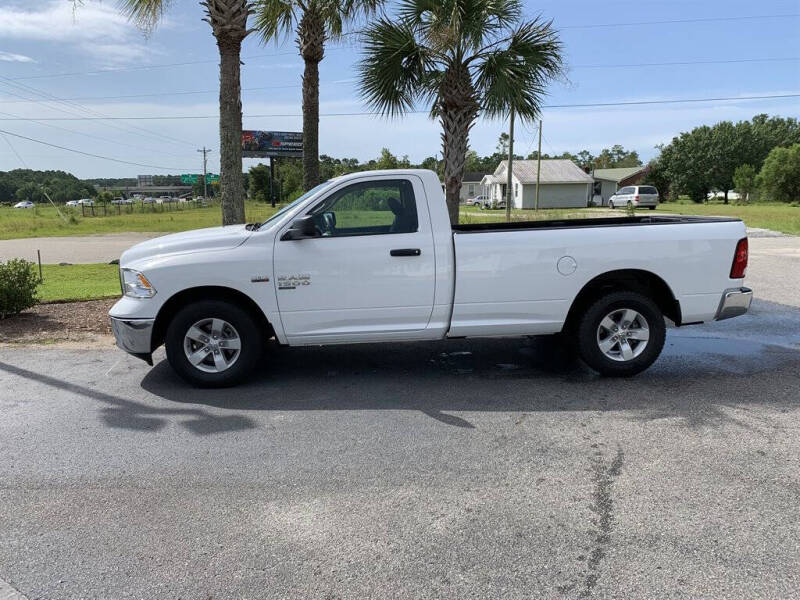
(167,199)
(24,204)
(86,202)
(149,200)
(121,201)
(72,203)
(637,196)
(476,201)
(489,204)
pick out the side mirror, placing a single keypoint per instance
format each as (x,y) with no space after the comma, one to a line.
(302,228)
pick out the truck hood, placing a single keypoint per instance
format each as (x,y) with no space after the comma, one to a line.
(198,240)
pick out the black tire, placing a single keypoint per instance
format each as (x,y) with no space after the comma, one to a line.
(587,334)
(241,320)
(651,207)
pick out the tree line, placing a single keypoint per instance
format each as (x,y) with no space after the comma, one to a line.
(728,156)
(26,184)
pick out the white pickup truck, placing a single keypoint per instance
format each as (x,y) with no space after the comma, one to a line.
(372,257)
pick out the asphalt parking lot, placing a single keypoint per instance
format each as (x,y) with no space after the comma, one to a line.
(483,469)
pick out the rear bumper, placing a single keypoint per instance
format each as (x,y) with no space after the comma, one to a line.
(134,336)
(734,302)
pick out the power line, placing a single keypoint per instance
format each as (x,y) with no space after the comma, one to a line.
(328,48)
(373,113)
(679,21)
(117,160)
(89,135)
(186,92)
(688,62)
(14,150)
(161,65)
(51,99)
(344,81)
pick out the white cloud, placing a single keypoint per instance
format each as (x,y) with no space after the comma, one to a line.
(11,57)
(98,29)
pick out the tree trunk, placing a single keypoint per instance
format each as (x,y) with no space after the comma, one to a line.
(726,196)
(311,125)
(230,131)
(457,109)
(311,41)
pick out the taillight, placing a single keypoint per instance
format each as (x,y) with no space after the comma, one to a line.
(636,198)
(739,265)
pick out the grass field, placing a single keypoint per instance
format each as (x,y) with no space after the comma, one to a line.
(778,217)
(45,222)
(78,282)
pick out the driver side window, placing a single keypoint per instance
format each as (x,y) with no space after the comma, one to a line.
(368,208)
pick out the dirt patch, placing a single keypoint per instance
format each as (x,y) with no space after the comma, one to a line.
(65,322)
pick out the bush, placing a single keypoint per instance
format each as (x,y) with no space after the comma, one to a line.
(779,178)
(18,283)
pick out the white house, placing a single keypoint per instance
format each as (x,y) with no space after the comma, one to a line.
(562,184)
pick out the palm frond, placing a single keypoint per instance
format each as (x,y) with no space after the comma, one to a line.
(144,13)
(274,19)
(392,73)
(517,74)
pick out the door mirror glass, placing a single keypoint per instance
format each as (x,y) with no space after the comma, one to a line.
(302,228)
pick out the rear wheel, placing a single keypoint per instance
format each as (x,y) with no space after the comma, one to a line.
(212,343)
(621,334)
(651,207)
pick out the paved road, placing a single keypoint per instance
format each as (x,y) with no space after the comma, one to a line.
(476,469)
(101,248)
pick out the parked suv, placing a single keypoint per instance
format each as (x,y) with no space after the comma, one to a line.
(639,196)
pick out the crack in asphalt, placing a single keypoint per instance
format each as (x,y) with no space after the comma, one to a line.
(602,506)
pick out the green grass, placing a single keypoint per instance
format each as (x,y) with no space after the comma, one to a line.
(43,221)
(778,217)
(78,282)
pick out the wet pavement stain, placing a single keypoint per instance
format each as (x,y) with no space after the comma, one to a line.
(603,507)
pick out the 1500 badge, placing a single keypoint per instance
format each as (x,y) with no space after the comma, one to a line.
(290,282)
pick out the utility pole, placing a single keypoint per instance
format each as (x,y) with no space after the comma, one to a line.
(205,152)
(509,181)
(538,168)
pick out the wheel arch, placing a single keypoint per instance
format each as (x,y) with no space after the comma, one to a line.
(632,280)
(189,295)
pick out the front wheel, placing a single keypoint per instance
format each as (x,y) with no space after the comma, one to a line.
(213,343)
(621,334)
(651,207)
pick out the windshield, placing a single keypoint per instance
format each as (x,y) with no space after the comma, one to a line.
(291,205)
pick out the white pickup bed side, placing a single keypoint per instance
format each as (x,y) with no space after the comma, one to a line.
(508,282)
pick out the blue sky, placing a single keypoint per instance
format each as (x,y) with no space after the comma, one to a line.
(48,51)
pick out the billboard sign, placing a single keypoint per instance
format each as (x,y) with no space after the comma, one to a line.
(263,144)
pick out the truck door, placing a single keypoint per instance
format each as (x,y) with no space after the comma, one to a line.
(370,274)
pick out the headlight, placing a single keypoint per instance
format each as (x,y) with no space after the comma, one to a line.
(136,285)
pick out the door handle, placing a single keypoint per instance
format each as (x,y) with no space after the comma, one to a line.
(405,252)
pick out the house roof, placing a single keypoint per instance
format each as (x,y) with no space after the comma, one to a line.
(553,171)
(472,177)
(618,174)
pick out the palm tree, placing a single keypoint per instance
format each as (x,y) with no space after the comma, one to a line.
(461,57)
(228,20)
(314,22)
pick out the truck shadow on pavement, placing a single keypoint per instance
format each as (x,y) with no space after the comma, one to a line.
(529,375)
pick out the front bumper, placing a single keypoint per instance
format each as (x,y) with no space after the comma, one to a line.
(734,302)
(134,336)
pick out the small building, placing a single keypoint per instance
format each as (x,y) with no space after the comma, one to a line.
(562,184)
(470,186)
(608,181)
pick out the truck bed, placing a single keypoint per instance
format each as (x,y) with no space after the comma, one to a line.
(584,223)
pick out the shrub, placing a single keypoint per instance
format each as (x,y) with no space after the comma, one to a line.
(18,283)
(779,178)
